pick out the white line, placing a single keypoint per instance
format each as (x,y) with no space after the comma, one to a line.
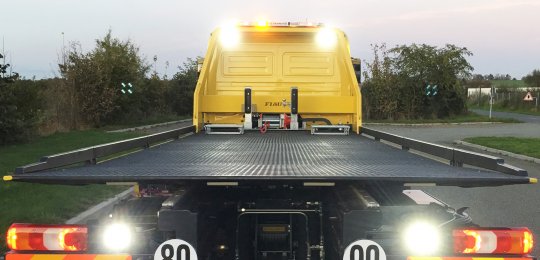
(82,216)
(149,126)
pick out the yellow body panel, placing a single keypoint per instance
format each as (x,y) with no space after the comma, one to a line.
(271,61)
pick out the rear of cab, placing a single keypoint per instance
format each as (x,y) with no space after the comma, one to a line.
(270,60)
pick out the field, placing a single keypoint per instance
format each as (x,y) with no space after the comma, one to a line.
(508,83)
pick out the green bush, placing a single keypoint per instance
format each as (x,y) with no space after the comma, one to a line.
(20,107)
(395,82)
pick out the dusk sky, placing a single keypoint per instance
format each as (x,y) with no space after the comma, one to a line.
(504,35)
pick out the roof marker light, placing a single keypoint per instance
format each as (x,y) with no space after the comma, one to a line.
(262,23)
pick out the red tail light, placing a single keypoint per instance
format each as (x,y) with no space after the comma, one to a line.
(515,241)
(29,237)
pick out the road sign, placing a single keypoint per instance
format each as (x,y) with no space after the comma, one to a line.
(528,97)
(435,90)
(431,90)
(127,88)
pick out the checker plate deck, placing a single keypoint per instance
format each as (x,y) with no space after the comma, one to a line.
(274,156)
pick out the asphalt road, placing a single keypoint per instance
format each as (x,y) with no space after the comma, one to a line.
(520,117)
(506,206)
(446,134)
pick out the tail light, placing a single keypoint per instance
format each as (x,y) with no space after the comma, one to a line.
(515,241)
(30,237)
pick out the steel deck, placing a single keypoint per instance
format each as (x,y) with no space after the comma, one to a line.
(275,156)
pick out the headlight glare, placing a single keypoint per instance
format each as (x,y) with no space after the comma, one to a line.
(422,238)
(326,38)
(229,36)
(117,236)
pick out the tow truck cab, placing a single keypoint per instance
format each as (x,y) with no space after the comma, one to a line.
(282,194)
(279,76)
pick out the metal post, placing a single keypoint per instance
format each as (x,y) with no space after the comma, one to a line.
(490,102)
(479,95)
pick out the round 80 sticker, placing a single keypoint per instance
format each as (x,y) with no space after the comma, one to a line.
(364,250)
(175,249)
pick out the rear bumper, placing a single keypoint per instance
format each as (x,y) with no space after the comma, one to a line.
(470,258)
(14,256)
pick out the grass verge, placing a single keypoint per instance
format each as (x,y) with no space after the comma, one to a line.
(467,118)
(497,108)
(525,146)
(41,203)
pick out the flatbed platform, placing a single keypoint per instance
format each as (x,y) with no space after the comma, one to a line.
(274,156)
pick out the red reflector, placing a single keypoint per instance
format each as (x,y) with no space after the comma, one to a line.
(515,241)
(24,237)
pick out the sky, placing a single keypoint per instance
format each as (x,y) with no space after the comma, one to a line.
(503,35)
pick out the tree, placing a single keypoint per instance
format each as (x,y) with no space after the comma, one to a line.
(478,77)
(182,88)
(378,98)
(421,65)
(98,75)
(533,79)
(19,106)
(395,85)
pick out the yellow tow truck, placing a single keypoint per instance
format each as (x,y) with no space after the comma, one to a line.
(276,165)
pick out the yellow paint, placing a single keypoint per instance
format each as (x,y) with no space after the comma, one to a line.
(8,178)
(533,180)
(271,62)
(268,104)
(137,190)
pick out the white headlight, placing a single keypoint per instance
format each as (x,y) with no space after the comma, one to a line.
(326,38)
(422,238)
(229,36)
(117,236)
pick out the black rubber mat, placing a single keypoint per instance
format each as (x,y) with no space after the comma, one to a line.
(273,156)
